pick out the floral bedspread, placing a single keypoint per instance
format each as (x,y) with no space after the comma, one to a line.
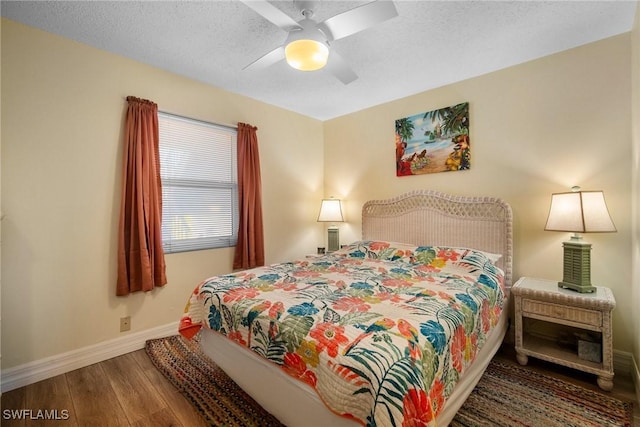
(381,330)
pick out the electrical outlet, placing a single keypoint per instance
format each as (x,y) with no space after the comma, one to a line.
(125,324)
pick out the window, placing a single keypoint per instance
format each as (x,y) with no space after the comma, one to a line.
(199,174)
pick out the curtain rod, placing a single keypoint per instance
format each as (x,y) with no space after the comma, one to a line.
(226,125)
(199,120)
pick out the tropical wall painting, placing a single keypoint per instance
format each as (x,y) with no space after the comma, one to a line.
(435,141)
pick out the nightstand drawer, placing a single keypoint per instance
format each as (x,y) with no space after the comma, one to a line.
(573,314)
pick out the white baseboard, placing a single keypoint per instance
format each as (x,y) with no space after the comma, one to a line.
(42,369)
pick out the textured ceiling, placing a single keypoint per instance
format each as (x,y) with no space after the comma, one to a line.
(430,43)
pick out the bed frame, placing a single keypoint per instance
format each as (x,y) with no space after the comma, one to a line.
(420,218)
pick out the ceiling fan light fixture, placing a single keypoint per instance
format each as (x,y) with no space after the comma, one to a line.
(308,42)
(306,54)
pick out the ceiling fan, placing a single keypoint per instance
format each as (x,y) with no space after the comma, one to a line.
(307,46)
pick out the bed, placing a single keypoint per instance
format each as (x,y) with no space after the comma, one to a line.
(394,329)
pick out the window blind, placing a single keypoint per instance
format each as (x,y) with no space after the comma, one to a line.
(198,167)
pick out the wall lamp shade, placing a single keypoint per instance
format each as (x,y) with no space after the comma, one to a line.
(331,211)
(578,212)
(306,49)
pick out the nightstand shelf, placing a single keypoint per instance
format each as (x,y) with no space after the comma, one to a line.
(546,349)
(550,321)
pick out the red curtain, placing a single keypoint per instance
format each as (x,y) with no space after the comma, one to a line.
(250,247)
(141,265)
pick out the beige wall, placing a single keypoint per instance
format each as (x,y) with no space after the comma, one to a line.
(62,116)
(635,121)
(536,128)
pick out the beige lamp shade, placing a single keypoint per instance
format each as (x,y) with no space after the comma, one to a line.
(579,212)
(330,211)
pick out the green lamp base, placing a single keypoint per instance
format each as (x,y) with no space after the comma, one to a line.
(577,266)
(580,288)
(333,239)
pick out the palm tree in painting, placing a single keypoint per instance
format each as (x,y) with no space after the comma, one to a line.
(404,128)
(455,119)
(436,115)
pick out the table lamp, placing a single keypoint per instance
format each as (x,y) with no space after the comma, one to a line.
(578,212)
(331,211)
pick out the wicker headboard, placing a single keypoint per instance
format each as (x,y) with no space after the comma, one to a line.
(426,217)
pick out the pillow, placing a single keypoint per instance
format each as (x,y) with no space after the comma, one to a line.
(441,255)
(491,257)
(376,249)
(411,253)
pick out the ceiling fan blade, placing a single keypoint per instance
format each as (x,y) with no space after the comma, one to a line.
(339,68)
(358,19)
(272,13)
(268,59)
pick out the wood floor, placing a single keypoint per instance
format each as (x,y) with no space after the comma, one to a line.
(129,391)
(124,391)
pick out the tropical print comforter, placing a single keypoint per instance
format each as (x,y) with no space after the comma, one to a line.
(381,330)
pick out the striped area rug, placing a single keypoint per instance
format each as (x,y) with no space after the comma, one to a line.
(219,400)
(507,395)
(511,395)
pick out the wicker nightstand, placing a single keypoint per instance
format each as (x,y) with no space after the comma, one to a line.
(565,327)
